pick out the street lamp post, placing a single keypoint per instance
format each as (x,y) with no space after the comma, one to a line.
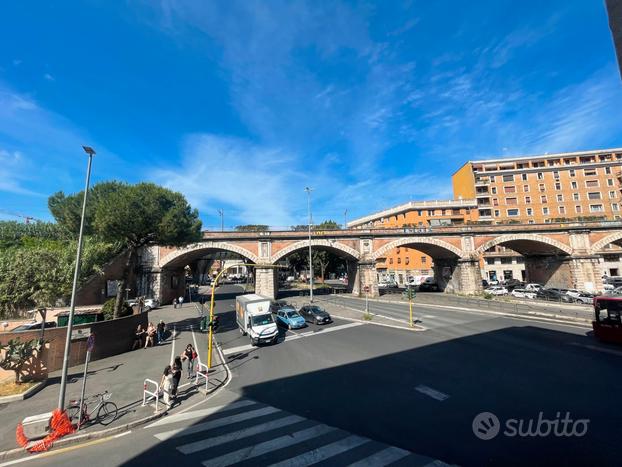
(72,307)
(309,190)
(221,213)
(345,219)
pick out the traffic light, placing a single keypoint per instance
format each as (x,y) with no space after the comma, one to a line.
(411,293)
(214,323)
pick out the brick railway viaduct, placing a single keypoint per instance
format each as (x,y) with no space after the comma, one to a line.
(562,255)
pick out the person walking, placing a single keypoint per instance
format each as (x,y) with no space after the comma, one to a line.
(181,302)
(177,365)
(150,335)
(174,303)
(138,337)
(166,385)
(189,355)
(160,331)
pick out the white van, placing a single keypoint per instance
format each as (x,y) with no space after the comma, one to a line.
(254,318)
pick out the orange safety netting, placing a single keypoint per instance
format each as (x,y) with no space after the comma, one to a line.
(60,425)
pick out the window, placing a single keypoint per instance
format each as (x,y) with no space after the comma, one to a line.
(512,212)
(526,188)
(594,195)
(493,190)
(495,202)
(561,209)
(573,185)
(610,182)
(511,201)
(509,189)
(608,170)
(612,195)
(424,259)
(541,187)
(390,260)
(540,176)
(545,211)
(397,250)
(560,198)
(596,208)
(575,196)
(430,212)
(543,199)
(558,186)
(492,178)
(589,172)
(508,178)
(407,260)
(556,174)
(591,184)
(615,207)
(399,260)
(524,177)
(527,199)
(571,172)
(531,221)
(529,211)
(497,213)
(490,261)
(577,208)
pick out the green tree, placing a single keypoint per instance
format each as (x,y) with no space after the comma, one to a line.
(328,225)
(17,354)
(133,215)
(251,228)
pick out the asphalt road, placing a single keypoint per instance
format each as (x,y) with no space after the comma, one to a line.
(355,390)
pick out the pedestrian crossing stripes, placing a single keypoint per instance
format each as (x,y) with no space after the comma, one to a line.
(245,432)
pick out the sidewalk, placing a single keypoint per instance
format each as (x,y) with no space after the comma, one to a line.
(123,375)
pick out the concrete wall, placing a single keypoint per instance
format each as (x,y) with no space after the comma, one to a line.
(111,338)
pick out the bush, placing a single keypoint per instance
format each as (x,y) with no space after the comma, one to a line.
(108,309)
(488,296)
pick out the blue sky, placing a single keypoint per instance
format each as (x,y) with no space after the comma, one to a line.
(240,105)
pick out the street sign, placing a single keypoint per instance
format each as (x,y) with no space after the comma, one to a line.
(366,288)
(81,333)
(90,343)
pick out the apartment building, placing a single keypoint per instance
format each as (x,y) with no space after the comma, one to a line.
(404,262)
(546,188)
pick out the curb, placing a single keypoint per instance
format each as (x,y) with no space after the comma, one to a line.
(508,314)
(62,442)
(24,395)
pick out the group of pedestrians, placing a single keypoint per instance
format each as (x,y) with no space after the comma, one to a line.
(178,302)
(172,374)
(149,337)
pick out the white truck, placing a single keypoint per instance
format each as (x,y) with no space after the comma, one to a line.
(255,319)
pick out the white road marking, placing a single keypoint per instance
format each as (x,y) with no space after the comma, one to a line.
(433,393)
(268,446)
(380,459)
(244,348)
(598,348)
(178,417)
(324,452)
(216,423)
(237,435)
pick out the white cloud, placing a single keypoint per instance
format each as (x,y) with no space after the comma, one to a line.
(14,173)
(48,77)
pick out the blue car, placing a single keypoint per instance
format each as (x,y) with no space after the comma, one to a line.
(289,317)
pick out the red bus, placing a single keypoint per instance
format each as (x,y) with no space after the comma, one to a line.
(607,322)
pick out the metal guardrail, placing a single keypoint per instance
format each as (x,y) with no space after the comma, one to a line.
(153,394)
(201,372)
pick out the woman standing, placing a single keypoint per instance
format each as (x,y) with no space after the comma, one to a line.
(166,384)
(190,355)
(176,375)
(151,332)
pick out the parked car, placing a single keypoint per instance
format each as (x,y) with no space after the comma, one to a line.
(151,303)
(387,285)
(511,284)
(278,304)
(554,295)
(315,314)
(485,283)
(523,293)
(429,287)
(533,287)
(33,326)
(584,298)
(496,290)
(290,318)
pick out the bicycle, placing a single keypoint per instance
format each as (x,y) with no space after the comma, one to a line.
(106,410)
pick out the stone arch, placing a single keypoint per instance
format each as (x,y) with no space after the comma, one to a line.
(524,237)
(204,246)
(600,244)
(314,242)
(382,251)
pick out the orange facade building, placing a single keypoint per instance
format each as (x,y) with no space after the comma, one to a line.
(546,188)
